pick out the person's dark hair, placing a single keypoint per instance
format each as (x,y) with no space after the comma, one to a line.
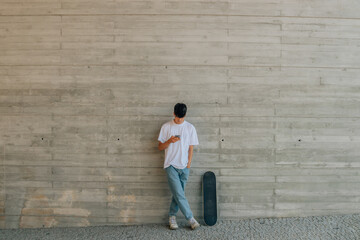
(180,110)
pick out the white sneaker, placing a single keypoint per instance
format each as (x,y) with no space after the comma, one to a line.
(172,222)
(193,223)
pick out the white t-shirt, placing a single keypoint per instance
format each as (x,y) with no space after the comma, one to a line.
(177,153)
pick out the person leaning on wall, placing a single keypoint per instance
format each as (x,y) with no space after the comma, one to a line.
(178,137)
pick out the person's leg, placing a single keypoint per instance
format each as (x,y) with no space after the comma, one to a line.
(174,207)
(177,180)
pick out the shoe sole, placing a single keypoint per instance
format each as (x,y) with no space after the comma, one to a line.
(173,228)
(197,226)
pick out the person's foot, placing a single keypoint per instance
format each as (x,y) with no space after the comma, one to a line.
(193,223)
(172,222)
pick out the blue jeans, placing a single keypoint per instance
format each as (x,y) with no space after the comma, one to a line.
(177,180)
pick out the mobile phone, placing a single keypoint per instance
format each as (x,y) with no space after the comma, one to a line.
(177,136)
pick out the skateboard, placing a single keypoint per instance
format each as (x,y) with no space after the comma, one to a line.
(209,193)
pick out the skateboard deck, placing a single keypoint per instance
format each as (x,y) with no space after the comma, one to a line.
(209,193)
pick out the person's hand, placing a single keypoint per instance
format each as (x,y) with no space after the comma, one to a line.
(173,139)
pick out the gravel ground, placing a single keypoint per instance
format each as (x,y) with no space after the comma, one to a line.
(345,227)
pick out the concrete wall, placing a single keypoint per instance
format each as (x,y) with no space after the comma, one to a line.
(272,87)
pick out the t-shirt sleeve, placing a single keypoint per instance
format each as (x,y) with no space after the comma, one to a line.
(162,134)
(193,137)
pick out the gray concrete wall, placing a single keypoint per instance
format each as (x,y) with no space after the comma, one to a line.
(272,88)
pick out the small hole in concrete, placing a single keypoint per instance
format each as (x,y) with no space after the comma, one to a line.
(118,138)
(42,138)
(222,140)
(299,140)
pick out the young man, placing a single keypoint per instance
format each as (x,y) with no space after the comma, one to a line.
(177,137)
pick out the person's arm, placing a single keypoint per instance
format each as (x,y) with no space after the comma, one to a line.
(191,150)
(166,144)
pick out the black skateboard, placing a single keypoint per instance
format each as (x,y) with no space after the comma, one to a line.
(209,193)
